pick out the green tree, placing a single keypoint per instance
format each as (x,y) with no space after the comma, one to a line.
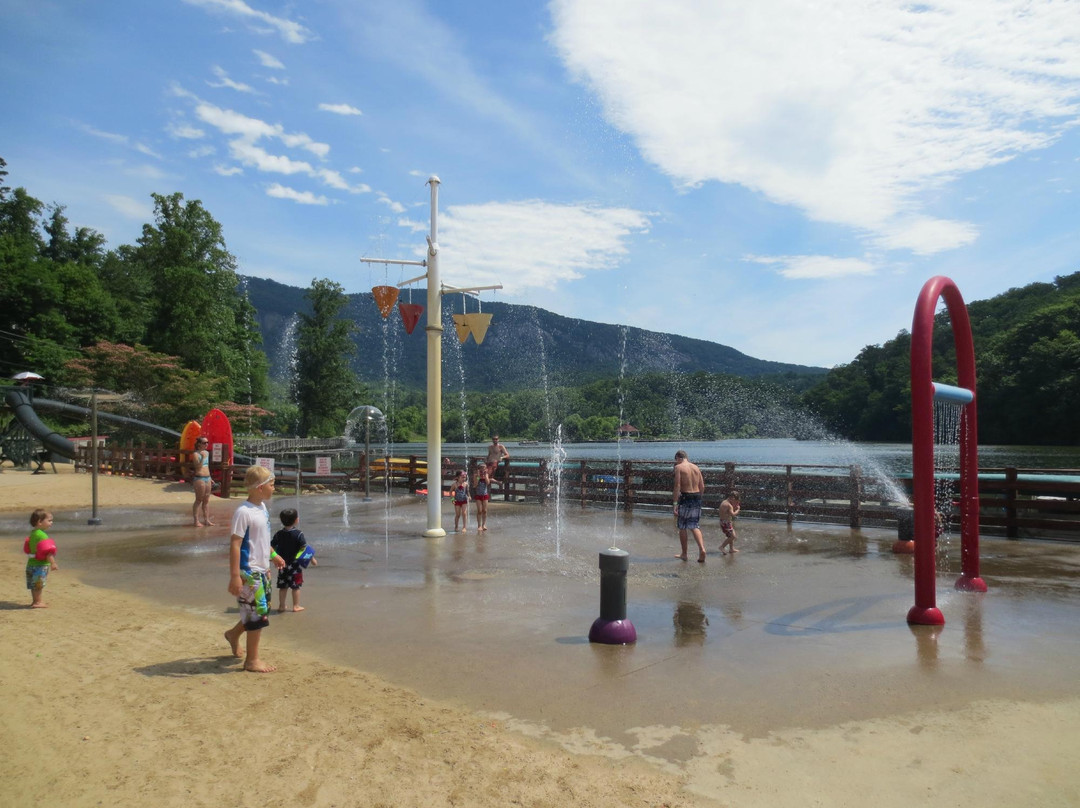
(197,311)
(326,385)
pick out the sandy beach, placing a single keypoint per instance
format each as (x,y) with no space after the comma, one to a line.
(113,699)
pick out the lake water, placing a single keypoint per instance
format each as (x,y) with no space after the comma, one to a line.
(893,459)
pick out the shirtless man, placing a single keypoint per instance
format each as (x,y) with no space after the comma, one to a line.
(496,453)
(729,509)
(689,486)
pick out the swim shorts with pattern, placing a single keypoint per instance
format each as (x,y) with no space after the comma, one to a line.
(689,511)
(254,600)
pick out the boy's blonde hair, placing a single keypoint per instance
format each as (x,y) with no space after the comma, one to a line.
(256,476)
(38,516)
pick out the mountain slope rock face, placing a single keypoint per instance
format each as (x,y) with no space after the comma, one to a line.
(524,347)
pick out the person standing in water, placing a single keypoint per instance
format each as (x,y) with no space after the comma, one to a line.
(201,482)
(689,487)
(496,453)
(729,509)
(481,495)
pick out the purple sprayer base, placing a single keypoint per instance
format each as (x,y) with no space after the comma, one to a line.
(612,632)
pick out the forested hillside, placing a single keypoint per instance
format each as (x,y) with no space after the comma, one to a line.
(1027,356)
(524,347)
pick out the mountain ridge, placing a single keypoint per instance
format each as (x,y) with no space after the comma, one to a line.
(525,346)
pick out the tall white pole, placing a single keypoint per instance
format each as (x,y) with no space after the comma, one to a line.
(434,374)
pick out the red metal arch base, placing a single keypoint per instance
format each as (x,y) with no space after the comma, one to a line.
(925,616)
(925,610)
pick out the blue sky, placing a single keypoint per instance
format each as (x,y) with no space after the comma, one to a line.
(778,176)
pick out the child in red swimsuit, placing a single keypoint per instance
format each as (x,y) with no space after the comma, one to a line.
(461,501)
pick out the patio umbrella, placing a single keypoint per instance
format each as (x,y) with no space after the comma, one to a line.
(28,376)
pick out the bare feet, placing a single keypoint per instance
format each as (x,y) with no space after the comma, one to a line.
(198,524)
(734,550)
(259,667)
(209,523)
(39,605)
(701,560)
(234,644)
(681,557)
(298,608)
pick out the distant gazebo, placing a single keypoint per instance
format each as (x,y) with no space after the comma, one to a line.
(628,431)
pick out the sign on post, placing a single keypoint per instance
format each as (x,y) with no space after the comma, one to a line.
(266,462)
(322,466)
(216,452)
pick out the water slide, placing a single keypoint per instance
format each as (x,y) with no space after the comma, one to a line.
(18,399)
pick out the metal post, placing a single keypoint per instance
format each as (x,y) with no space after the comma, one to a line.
(367,457)
(612,627)
(434,331)
(93,520)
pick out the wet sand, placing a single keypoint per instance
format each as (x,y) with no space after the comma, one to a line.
(785,675)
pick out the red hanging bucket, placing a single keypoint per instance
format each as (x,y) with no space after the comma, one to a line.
(410,315)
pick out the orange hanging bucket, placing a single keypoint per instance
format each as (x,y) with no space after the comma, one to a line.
(410,315)
(385,298)
(478,324)
(462,327)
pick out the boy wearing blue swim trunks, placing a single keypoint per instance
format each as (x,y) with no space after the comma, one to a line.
(686,501)
(250,557)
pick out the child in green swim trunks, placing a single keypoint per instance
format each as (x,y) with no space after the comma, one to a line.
(250,557)
(42,556)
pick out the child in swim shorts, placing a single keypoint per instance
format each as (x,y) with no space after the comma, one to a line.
(250,557)
(289,542)
(42,552)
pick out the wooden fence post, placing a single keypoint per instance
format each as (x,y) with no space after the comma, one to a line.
(790,503)
(856,497)
(581,483)
(627,473)
(1011,530)
(542,482)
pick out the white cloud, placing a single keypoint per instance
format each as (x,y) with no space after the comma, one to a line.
(202,151)
(340,109)
(185,131)
(145,171)
(266,60)
(225,81)
(396,207)
(926,236)
(303,197)
(142,148)
(228,171)
(251,129)
(292,32)
(251,155)
(131,208)
(533,244)
(853,112)
(814,266)
(112,137)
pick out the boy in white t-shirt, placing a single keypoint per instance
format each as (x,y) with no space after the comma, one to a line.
(250,557)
